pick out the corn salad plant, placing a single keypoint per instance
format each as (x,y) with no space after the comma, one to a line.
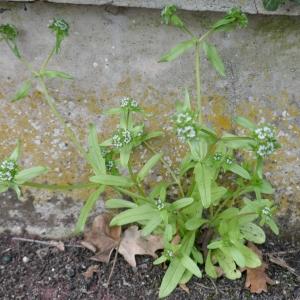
(222,197)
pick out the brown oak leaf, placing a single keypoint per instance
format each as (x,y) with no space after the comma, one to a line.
(133,243)
(256,278)
(102,239)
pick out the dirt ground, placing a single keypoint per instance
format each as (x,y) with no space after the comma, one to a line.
(34,271)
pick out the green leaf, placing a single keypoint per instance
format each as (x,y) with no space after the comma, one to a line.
(203,181)
(23,91)
(178,50)
(266,187)
(141,213)
(119,203)
(152,134)
(56,74)
(190,265)
(197,255)
(228,265)
(28,174)
(235,253)
(168,233)
(194,223)
(160,260)
(237,169)
(198,149)
(251,259)
(125,155)
(215,244)
(245,123)
(214,58)
(15,155)
(151,225)
(172,277)
(16,188)
(88,206)
(272,5)
(253,233)
(187,275)
(113,111)
(187,101)
(210,269)
(143,173)
(238,142)
(94,152)
(217,192)
(273,226)
(112,180)
(181,203)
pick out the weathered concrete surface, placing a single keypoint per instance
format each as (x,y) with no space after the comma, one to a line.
(113,52)
(248,6)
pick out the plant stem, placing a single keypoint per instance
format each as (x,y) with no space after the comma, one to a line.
(177,180)
(45,63)
(72,136)
(133,178)
(61,187)
(198,81)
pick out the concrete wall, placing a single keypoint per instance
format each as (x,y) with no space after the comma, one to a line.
(113,52)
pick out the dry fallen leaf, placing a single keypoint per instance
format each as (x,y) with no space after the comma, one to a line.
(133,243)
(90,271)
(257,279)
(102,238)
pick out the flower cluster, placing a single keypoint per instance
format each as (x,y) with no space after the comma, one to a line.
(129,103)
(218,156)
(121,138)
(109,164)
(169,253)
(266,140)
(186,128)
(160,205)
(60,26)
(228,160)
(8,170)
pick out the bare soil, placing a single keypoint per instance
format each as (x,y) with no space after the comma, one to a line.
(37,272)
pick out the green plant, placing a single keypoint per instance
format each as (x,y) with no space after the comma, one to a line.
(273,5)
(220,201)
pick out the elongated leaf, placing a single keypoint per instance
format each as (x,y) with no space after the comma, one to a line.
(245,123)
(187,275)
(172,277)
(88,206)
(237,169)
(141,213)
(143,173)
(113,111)
(228,265)
(28,174)
(214,58)
(181,203)
(251,259)
(125,155)
(203,181)
(151,225)
(210,269)
(187,101)
(194,223)
(236,254)
(235,142)
(152,135)
(190,265)
(178,50)
(23,91)
(112,180)
(272,5)
(253,233)
(15,155)
(197,255)
(217,193)
(198,149)
(160,260)
(94,153)
(119,203)
(56,74)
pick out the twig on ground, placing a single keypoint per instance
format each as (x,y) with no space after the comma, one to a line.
(280,262)
(203,286)
(113,266)
(283,252)
(215,286)
(6,250)
(48,243)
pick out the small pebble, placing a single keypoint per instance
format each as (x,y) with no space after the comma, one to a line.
(6,259)
(25,259)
